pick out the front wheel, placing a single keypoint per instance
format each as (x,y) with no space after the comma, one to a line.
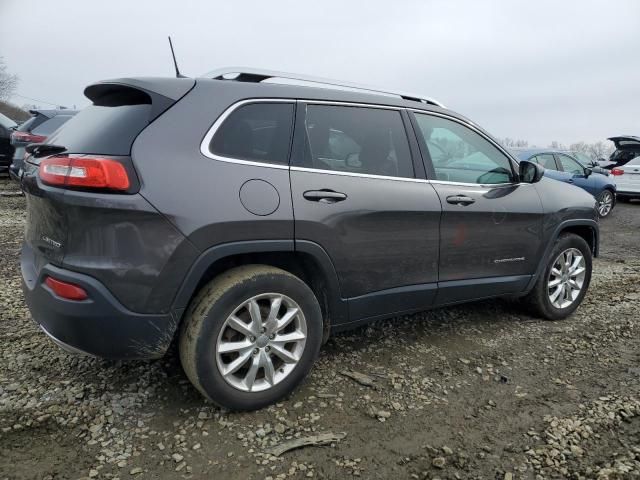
(565,279)
(250,336)
(606,201)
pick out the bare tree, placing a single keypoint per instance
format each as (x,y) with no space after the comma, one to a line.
(581,147)
(557,145)
(511,143)
(599,150)
(8,82)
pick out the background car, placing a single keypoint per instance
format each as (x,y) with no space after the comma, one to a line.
(565,168)
(627,148)
(35,130)
(6,149)
(628,179)
(586,161)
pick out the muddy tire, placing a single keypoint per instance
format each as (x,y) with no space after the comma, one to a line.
(564,281)
(250,336)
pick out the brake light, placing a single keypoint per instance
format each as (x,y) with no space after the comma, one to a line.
(27,137)
(98,173)
(70,291)
(617,171)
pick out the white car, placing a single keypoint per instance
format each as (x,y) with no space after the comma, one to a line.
(627,179)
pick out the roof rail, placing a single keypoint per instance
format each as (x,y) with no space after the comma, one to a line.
(245,74)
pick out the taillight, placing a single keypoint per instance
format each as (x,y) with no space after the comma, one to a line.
(83,172)
(617,171)
(26,137)
(67,290)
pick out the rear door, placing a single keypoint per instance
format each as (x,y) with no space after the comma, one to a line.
(358,194)
(490,231)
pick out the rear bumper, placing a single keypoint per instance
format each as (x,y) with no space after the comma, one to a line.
(99,325)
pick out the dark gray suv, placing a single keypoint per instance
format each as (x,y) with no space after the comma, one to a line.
(248,219)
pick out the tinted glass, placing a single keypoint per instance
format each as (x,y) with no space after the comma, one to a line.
(569,165)
(103,130)
(547,161)
(31,123)
(369,141)
(258,132)
(459,154)
(51,125)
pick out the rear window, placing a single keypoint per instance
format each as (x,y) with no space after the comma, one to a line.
(31,123)
(104,130)
(48,127)
(258,132)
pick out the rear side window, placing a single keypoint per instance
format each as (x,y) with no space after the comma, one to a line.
(48,127)
(105,130)
(370,141)
(259,132)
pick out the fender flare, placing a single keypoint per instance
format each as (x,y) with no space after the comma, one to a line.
(337,306)
(592,224)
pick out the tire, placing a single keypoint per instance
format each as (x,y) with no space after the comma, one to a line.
(206,331)
(539,298)
(606,202)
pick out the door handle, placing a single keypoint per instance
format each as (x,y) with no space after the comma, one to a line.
(570,180)
(324,196)
(460,200)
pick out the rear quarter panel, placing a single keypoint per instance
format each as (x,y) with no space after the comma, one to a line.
(200,195)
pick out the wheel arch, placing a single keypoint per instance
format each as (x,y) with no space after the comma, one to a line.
(584,228)
(304,259)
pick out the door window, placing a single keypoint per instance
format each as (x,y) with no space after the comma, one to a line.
(259,132)
(369,141)
(459,154)
(569,165)
(546,160)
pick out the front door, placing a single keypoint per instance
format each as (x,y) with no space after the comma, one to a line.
(490,231)
(575,174)
(356,194)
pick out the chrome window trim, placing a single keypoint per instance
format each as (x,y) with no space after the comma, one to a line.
(361,175)
(352,104)
(204,145)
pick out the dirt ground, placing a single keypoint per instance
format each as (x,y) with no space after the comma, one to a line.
(478,391)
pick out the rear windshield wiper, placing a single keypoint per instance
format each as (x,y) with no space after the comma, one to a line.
(42,149)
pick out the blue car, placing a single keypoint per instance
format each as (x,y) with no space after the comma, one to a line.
(565,168)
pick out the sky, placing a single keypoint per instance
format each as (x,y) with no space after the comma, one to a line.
(536,70)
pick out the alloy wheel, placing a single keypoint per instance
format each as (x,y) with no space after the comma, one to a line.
(261,342)
(605,203)
(566,278)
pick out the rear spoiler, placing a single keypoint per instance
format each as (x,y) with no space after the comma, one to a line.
(159,92)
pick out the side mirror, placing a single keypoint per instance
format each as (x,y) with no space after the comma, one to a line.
(530,172)
(588,171)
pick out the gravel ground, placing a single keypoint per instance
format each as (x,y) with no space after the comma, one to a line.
(477,391)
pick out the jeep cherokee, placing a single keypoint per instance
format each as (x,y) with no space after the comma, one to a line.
(249,218)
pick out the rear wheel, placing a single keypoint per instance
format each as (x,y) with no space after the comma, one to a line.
(606,201)
(250,336)
(564,282)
